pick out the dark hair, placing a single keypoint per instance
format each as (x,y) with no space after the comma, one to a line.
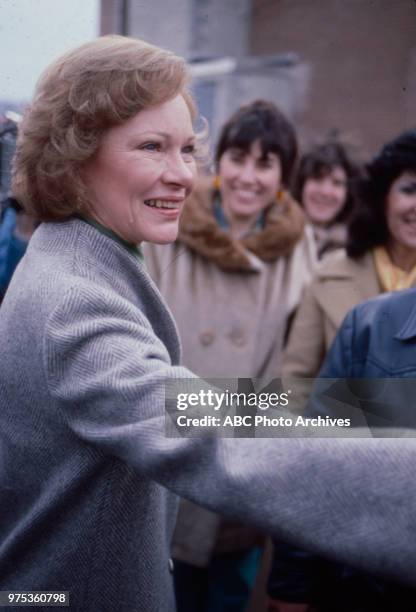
(319,162)
(261,120)
(368,227)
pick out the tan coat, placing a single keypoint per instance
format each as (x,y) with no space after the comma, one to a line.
(231,300)
(339,284)
(230,304)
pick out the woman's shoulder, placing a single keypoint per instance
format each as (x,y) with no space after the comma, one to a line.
(338,264)
(304,253)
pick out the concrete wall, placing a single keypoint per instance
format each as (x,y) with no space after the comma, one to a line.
(362,59)
(192,28)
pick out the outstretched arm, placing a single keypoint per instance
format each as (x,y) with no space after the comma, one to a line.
(344,498)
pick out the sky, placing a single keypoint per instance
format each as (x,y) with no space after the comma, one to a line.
(35,32)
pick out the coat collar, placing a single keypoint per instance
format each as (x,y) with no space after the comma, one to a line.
(408,330)
(339,265)
(199,230)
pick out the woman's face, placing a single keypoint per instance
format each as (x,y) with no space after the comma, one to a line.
(323,198)
(142,172)
(401,211)
(248,181)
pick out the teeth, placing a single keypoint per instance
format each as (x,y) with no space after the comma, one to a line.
(161,204)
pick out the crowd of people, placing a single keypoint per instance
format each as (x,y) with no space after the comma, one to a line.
(146,268)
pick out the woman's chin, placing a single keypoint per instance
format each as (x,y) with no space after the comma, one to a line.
(165,236)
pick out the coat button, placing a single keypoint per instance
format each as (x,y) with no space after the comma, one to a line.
(207,337)
(238,337)
(171,565)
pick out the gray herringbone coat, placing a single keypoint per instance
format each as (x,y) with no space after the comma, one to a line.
(86,343)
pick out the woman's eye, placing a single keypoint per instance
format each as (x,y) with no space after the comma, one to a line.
(237,159)
(409,189)
(189,150)
(151,146)
(265,163)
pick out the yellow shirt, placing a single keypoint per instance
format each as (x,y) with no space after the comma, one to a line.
(392,278)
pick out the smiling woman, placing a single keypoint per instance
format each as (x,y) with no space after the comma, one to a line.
(88,476)
(250,180)
(381,256)
(401,220)
(326,187)
(142,172)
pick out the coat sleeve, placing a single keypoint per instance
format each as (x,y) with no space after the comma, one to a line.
(106,372)
(305,350)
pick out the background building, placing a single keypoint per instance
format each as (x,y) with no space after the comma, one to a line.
(348,65)
(361,56)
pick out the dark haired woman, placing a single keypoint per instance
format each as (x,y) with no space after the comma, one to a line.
(381,257)
(326,188)
(232,279)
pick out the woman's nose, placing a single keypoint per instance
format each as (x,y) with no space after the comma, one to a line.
(327,187)
(180,171)
(247,172)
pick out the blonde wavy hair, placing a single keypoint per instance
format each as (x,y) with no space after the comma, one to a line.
(83,93)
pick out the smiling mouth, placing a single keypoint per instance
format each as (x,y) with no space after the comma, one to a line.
(246,192)
(162,204)
(324,203)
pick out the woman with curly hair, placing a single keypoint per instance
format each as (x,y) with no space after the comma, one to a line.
(380,256)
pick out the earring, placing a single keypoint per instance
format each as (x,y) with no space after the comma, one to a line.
(216,182)
(279,194)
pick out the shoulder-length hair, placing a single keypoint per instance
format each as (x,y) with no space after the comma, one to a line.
(320,161)
(263,121)
(96,86)
(368,228)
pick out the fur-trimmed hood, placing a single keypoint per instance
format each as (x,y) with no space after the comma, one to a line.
(199,230)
